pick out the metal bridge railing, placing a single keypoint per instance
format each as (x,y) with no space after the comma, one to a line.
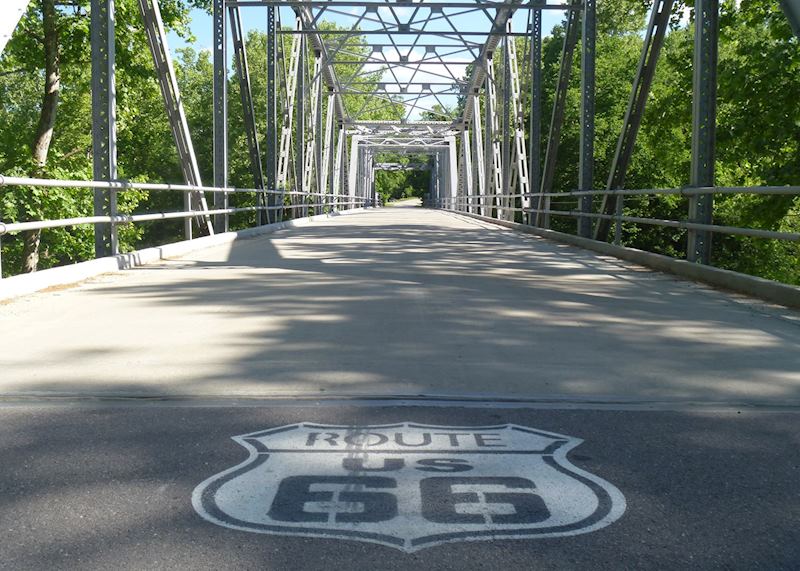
(328,203)
(493,206)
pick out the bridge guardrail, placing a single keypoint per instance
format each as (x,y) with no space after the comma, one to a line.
(505,207)
(331,202)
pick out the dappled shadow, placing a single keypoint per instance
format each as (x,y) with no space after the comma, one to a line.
(402,301)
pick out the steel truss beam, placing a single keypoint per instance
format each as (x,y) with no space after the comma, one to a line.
(704,119)
(586,160)
(288,111)
(532,5)
(535,145)
(645,72)
(272,114)
(220,95)
(313,152)
(327,169)
(402,167)
(498,30)
(300,180)
(104,123)
(557,120)
(518,176)
(493,160)
(308,27)
(249,113)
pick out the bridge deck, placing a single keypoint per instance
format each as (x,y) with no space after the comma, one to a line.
(399,302)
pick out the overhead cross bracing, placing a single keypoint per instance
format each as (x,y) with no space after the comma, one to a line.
(348,82)
(355,84)
(405,77)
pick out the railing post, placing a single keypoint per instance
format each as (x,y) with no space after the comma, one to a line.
(535,146)
(505,145)
(338,168)
(586,162)
(104,123)
(619,204)
(248,109)
(220,104)
(557,118)
(452,172)
(488,141)
(272,118)
(300,131)
(479,172)
(704,117)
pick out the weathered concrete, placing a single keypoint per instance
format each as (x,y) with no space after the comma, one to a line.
(400,302)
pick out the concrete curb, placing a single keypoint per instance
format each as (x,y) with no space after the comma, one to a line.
(24,284)
(768,290)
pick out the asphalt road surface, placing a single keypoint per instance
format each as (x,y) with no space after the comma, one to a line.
(110,487)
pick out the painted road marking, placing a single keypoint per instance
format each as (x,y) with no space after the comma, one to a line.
(408,486)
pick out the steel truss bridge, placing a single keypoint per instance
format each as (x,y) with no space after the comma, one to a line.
(416,61)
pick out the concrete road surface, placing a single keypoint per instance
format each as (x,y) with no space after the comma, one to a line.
(400,302)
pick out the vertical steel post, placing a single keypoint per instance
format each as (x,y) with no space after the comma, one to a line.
(491,162)
(557,119)
(651,47)
(220,104)
(318,137)
(704,119)
(373,190)
(248,109)
(104,123)
(792,10)
(586,161)
(494,181)
(272,114)
(519,181)
(338,168)
(452,170)
(326,169)
(466,154)
(170,92)
(479,175)
(287,129)
(300,130)
(535,146)
(344,170)
(352,186)
(505,143)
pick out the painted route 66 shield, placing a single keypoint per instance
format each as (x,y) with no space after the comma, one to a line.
(408,486)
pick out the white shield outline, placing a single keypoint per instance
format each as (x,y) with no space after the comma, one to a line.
(611,502)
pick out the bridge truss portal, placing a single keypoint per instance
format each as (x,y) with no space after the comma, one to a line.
(352,85)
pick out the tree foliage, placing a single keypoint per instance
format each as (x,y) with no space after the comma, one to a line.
(758,133)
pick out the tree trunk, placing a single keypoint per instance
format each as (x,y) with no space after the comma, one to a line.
(44,131)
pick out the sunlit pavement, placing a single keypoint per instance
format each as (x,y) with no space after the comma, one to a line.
(400,301)
(578,412)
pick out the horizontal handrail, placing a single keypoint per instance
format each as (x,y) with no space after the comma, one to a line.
(299,202)
(500,202)
(123,185)
(682,224)
(12,227)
